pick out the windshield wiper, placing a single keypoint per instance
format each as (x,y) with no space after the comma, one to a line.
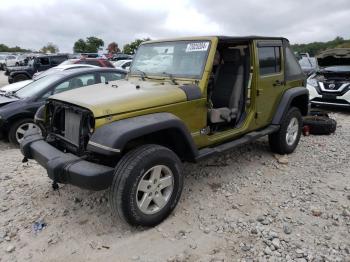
(171,77)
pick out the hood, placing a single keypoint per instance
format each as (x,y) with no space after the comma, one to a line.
(15,86)
(123,96)
(4,100)
(334,57)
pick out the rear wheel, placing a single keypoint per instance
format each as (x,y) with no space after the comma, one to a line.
(18,129)
(287,138)
(20,77)
(147,185)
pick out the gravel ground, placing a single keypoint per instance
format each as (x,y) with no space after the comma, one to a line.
(245,205)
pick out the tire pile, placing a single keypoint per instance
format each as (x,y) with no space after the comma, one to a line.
(319,123)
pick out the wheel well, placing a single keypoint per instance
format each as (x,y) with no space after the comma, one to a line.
(15,119)
(171,138)
(302,103)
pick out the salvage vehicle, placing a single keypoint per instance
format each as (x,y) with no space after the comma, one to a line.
(60,68)
(4,59)
(330,84)
(211,95)
(101,62)
(37,64)
(17,109)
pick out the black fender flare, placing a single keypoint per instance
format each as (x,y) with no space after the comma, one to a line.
(14,73)
(287,100)
(112,138)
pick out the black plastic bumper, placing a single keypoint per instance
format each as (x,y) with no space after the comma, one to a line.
(66,168)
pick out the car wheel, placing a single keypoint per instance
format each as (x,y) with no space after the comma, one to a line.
(1,67)
(20,77)
(320,125)
(287,138)
(147,185)
(18,129)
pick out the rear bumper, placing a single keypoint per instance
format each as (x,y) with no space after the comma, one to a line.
(66,168)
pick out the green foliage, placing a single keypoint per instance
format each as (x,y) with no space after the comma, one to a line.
(132,47)
(315,48)
(90,45)
(5,48)
(50,48)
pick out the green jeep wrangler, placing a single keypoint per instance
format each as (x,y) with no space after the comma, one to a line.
(184,100)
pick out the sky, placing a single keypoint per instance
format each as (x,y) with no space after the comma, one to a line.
(33,23)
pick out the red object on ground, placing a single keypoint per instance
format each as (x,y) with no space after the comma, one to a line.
(306,130)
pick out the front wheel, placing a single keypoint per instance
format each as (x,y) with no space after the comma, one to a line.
(18,129)
(147,185)
(287,138)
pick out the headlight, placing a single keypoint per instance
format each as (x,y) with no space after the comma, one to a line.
(312,82)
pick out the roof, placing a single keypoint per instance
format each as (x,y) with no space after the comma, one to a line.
(236,38)
(79,71)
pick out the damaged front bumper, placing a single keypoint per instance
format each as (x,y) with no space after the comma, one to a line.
(66,168)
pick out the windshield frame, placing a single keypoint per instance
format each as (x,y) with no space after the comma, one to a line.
(162,75)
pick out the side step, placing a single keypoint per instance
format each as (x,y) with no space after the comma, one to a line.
(252,136)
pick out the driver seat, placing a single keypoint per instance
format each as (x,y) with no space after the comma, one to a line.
(227,88)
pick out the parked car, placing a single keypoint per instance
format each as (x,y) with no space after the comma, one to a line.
(212,94)
(11,60)
(37,64)
(17,109)
(330,84)
(61,67)
(4,59)
(101,62)
(123,64)
(121,56)
(14,86)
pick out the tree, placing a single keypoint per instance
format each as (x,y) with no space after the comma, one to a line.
(113,48)
(50,48)
(91,45)
(132,47)
(5,48)
(79,46)
(315,48)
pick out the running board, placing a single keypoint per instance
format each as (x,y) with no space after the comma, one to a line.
(252,136)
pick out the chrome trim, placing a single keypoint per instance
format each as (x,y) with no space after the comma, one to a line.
(341,88)
(104,147)
(328,103)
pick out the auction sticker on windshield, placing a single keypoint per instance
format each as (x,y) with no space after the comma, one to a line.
(199,46)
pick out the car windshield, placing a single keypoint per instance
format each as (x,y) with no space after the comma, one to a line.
(178,58)
(37,86)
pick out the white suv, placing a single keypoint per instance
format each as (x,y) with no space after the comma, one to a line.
(330,84)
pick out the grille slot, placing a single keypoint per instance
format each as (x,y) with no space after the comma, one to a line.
(72,126)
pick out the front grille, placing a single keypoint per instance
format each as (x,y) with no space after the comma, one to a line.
(69,126)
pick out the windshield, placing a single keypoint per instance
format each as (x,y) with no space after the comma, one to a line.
(37,86)
(179,58)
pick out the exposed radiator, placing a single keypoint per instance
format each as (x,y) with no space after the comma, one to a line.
(72,126)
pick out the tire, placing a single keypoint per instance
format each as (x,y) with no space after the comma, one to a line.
(20,77)
(2,67)
(132,171)
(286,139)
(320,125)
(14,135)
